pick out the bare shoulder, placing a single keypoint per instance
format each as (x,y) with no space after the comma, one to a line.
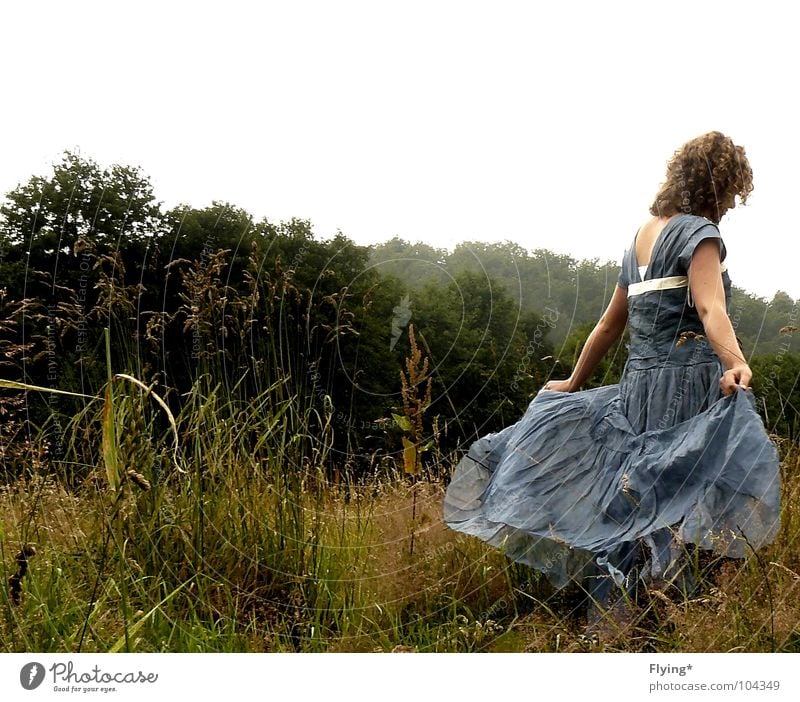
(653,225)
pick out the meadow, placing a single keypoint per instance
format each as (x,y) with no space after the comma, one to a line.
(225,435)
(219,530)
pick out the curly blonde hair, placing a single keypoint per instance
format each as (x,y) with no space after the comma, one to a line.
(704,176)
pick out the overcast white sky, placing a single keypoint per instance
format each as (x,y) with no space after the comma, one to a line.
(435,121)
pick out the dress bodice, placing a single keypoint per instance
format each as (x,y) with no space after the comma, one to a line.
(663,322)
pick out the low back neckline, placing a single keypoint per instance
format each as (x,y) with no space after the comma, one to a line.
(656,243)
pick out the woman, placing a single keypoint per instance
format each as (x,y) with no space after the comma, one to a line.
(608,486)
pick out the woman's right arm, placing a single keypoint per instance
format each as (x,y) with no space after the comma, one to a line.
(705,283)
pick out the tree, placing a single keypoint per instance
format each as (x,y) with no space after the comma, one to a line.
(76,243)
(776,384)
(486,354)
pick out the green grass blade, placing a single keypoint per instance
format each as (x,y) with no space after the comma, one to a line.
(117,647)
(109,442)
(13,385)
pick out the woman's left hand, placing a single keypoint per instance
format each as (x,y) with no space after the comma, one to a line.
(558,385)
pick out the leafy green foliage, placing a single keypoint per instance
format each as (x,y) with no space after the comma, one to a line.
(776,384)
(208,290)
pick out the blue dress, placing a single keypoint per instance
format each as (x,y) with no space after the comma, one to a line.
(624,475)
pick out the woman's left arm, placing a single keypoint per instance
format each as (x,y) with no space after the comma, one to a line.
(605,333)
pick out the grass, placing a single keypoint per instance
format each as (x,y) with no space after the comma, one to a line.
(254,551)
(218,529)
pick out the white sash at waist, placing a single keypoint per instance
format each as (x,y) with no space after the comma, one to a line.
(668,283)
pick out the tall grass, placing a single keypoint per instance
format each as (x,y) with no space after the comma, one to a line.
(218,529)
(252,550)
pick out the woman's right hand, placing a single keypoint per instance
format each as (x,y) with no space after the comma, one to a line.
(738,375)
(559,385)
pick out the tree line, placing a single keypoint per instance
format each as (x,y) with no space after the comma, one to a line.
(211,292)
